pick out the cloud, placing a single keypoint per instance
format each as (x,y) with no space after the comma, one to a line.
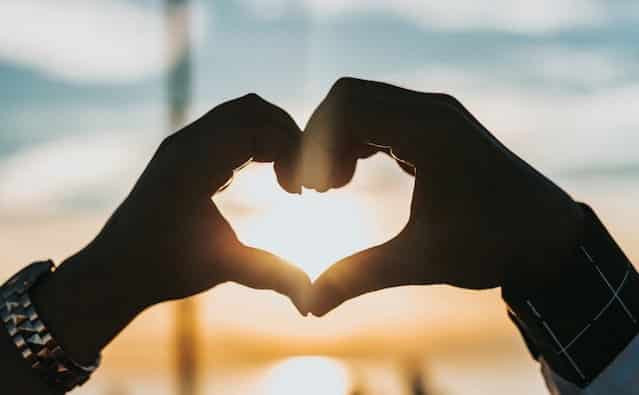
(527,17)
(571,67)
(87,41)
(556,128)
(76,170)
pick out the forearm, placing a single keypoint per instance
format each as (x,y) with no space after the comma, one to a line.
(89,300)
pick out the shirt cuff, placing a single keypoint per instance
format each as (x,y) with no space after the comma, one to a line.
(579,322)
(620,376)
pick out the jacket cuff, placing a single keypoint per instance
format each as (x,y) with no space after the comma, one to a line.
(581,320)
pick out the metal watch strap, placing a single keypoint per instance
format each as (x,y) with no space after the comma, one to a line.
(31,336)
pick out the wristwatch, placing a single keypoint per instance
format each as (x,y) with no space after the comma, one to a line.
(31,336)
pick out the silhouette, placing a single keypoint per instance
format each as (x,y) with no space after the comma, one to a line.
(481,217)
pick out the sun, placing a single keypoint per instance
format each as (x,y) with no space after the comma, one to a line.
(307,375)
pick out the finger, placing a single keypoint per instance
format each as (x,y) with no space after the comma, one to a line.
(344,172)
(280,145)
(343,168)
(356,113)
(288,172)
(271,147)
(243,129)
(404,165)
(363,151)
(259,269)
(384,266)
(407,167)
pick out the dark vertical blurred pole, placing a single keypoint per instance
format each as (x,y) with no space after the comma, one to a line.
(415,375)
(179,92)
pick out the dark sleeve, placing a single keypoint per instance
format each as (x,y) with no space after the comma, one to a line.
(581,320)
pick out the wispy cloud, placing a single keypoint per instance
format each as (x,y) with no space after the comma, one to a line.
(75,170)
(555,127)
(86,41)
(528,17)
(571,67)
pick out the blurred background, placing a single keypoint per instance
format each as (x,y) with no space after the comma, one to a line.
(88,89)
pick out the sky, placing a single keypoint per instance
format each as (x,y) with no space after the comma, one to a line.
(554,79)
(83,105)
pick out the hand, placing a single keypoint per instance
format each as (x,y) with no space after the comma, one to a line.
(168,240)
(169,231)
(479,216)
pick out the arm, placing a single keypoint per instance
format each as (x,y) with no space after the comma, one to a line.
(481,217)
(583,326)
(166,241)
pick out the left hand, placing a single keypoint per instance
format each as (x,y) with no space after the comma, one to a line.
(480,216)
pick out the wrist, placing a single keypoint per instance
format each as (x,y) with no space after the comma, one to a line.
(85,304)
(546,255)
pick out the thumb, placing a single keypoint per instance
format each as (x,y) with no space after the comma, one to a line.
(387,265)
(259,269)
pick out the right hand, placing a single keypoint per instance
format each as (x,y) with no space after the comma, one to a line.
(170,231)
(480,215)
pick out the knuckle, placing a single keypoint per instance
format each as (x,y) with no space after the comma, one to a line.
(341,95)
(252,99)
(446,98)
(169,141)
(447,109)
(345,86)
(248,100)
(237,107)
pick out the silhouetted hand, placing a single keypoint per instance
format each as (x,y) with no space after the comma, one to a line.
(168,240)
(168,233)
(479,214)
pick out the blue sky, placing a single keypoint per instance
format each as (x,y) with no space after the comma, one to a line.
(82,87)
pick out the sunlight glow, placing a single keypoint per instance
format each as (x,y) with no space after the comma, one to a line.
(312,231)
(319,231)
(307,375)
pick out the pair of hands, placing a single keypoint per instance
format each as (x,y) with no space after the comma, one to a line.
(480,216)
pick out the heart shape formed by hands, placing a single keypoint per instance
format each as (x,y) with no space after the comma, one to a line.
(479,215)
(477,209)
(316,229)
